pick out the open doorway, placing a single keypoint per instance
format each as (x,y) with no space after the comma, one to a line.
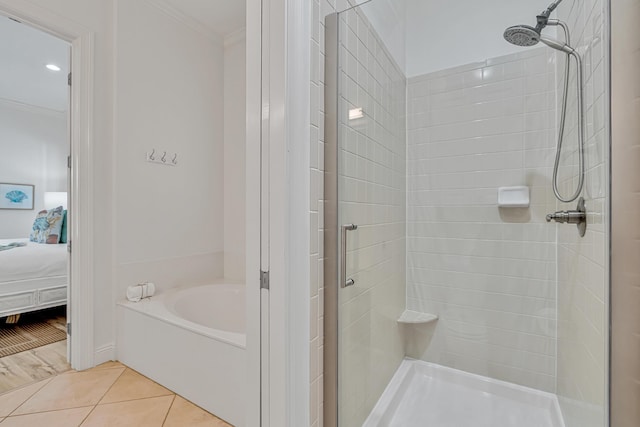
(34,150)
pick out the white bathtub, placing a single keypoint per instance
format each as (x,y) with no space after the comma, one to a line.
(191,340)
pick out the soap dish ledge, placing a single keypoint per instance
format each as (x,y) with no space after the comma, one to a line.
(416,317)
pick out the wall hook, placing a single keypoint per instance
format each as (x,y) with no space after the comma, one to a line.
(151,156)
(175,159)
(164,157)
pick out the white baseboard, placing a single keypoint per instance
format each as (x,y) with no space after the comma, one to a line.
(103,354)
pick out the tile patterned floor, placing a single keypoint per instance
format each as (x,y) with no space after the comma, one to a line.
(106,396)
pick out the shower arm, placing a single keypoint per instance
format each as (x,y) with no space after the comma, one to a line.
(552,6)
(543,18)
(565,28)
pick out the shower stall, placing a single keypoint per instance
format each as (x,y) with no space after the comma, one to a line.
(459,159)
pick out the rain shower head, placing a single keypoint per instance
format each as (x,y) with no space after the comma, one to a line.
(525,36)
(522,35)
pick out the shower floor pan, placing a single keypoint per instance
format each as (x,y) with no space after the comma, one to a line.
(423,394)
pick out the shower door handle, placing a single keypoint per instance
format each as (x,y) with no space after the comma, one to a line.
(344,282)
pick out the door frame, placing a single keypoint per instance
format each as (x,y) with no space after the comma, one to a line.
(285,212)
(253,159)
(79,297)
(624,206)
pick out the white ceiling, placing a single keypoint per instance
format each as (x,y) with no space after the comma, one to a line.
(24,52)
(221,16)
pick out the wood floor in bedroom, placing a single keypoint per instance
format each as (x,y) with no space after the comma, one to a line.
(35,365)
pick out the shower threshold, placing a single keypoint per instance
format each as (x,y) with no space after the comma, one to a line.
(430,395)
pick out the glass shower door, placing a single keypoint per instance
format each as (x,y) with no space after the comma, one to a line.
(371,193)
(417,151)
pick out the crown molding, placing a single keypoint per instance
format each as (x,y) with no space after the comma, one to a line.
(187,20)
(17,105)
(235,37)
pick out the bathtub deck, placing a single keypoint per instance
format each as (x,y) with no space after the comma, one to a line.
(423,394)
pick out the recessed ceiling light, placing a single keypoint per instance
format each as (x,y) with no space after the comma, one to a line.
(53,67)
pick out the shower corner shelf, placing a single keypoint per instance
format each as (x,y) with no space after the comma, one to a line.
(416,317)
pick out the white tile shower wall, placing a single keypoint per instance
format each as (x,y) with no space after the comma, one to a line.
(487,272)
(582,262)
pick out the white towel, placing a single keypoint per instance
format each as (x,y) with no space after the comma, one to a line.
(143,290)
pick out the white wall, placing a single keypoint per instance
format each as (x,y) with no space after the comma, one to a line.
(445,34)
(34,147)
(234,155)
(169,96)
(487,272)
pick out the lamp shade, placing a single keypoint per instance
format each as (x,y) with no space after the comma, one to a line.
(53,199)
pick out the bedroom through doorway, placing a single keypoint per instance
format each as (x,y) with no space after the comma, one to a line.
(34,183)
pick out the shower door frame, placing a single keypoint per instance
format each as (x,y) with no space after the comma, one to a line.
(331,241)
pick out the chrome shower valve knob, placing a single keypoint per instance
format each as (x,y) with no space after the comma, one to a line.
(578,217)
(570,217)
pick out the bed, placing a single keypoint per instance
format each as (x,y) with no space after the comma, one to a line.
(32,277)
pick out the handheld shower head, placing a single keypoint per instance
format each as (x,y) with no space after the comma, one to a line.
(558,45)
(522,35)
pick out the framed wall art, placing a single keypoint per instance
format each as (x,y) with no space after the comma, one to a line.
(16,196)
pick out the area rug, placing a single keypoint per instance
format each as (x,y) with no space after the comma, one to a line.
(30,332)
